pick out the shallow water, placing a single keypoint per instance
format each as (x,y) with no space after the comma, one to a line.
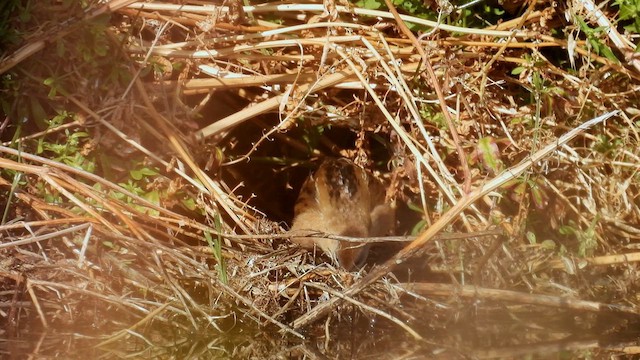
(470,331)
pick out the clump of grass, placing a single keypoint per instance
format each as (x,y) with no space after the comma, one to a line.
(144,146)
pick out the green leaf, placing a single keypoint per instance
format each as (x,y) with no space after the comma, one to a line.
(153,197)
(608,53)
(38,113)
(537,80)
(548,244)
(627,11)
(138,174)
(531,237)
(189,204)
(53,87)
(417,228)
(489,153)
(566,230)
(538,196)
(518,70)
(369,4)
(415,207)
(216,247)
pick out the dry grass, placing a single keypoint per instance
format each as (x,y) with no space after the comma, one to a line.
(536,159)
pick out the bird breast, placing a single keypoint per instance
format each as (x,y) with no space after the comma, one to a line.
(341,198)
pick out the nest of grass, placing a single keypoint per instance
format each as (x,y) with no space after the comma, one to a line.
(153,151)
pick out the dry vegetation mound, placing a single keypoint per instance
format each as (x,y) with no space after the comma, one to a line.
(152,153)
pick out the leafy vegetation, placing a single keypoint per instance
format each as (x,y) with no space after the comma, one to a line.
(629,14)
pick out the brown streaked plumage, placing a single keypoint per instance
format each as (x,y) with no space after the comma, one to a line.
(341,198)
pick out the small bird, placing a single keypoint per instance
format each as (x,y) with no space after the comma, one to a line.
(341,198)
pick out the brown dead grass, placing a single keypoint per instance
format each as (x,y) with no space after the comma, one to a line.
(99,267)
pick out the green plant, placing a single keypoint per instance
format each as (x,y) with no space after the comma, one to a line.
(434,116)
(12,11)
(216,248)
(629,14)
(70,151)
(134,187)
(420,225)
(313,134)
(607,145)
(535,186)
(547,244)
(587,241)
(56,85)
(370,4)
(487,154)
(594,36)
(14,185)
(140,182)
